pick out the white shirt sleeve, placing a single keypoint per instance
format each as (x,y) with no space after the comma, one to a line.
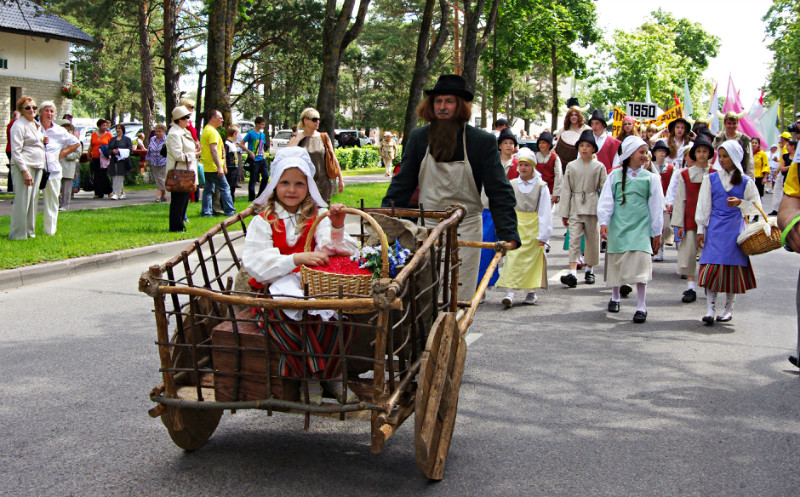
(655,203)
(260,258)
(751,197)
(703,212)
(669,199)
(605,204)
(545,218)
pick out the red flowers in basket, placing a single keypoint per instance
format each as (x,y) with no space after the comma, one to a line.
(342,265)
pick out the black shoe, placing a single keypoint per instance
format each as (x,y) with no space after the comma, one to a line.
(589,278)
(773,213)
(708,320)
(794,361)
(683,277)
(613,306)
(603,247)
(689,296)
(640,317)
(570,280)
(625,290)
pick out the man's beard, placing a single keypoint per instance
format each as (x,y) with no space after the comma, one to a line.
(443,138)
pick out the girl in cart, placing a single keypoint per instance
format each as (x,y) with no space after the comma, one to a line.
(526,267)
(629,212)
(273,253)
(725,195)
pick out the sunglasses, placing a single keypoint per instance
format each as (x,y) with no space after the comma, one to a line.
(31,107)
(184,117)
(313,119)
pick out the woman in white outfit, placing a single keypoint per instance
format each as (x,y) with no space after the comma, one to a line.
(60,143)
(27,163)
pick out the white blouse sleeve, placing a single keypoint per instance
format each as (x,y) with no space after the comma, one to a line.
(656,203)
(545,218)
(334,241)
(673,185)
(557,178)
(260,258)
(605,204)
(703,212)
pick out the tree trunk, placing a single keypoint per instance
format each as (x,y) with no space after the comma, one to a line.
(425,59)
(221,26)
(147,96)
(335,38)
(198,113)
(554,109)
(171,78)
(473,45)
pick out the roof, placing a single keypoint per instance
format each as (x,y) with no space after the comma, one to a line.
(26,18)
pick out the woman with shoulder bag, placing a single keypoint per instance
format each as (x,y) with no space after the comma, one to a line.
(319,147)
(182,152)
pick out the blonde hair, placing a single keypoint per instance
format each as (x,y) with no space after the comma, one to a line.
(307,210)
(160,126)
(305,114)
(186,102)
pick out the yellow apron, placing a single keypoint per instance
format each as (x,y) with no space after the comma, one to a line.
(442,184)
(525,268)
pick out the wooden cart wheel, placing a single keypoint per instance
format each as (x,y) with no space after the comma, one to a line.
(439,381)
(198,426)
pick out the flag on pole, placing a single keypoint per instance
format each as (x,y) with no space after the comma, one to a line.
(766,124)
(677,102)
(713,108)
(734,104)
(688,108)
(647,95)
(757,109)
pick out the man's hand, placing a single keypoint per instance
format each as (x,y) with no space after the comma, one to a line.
(680,233)
(555,199)
(669,210)
(604,232)
(655,243)
(565,220)
(514,244)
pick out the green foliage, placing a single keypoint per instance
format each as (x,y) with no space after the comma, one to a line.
(783,27)
(359,157)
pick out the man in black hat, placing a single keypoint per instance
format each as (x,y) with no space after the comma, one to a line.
(452,162)
(607,145)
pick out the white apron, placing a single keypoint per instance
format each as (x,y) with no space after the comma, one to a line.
(442,184)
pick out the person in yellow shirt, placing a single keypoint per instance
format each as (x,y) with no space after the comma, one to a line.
(212,156)
(761,164)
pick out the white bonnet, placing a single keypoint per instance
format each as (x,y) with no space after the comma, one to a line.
(287,158)
(734,151)
(630,145)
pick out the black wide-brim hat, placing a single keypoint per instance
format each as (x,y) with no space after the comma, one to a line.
(671,125)
(660,145)
(546,136)
(506,134)
(701,141)
(588,137)
(451,84)
(598,115)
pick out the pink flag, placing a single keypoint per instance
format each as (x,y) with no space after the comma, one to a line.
(734,104)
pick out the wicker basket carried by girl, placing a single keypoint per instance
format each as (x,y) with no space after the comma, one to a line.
(760,237)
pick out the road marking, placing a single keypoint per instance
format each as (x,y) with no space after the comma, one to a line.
(471,337)
(556,278)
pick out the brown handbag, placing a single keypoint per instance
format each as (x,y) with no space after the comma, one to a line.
(180,181)
(331,165)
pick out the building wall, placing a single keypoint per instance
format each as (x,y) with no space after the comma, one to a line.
(35,58)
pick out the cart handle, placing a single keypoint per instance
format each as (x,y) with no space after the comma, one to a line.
(371,221)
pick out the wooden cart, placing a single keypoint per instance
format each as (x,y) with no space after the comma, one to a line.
(215,359)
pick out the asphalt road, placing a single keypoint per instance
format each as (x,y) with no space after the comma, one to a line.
(558,399)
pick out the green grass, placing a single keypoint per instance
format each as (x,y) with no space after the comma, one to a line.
(362,171)
(90,232)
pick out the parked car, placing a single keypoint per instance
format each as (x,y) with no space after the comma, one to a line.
(528,142)
(85,135)
(279,141)
(351,138)
(245,126)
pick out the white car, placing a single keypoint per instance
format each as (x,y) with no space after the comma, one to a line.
(280,140)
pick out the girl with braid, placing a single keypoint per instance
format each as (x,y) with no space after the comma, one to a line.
(629,213)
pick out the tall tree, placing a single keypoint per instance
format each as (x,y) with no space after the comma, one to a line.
(783,27)
(427,53)
(221,27)
(476,34)
(337,34)
(170,50)
(146,67)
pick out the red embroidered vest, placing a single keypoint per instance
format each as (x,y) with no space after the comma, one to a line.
(665,177)
(692,192)
(548,171)
(607,153)
(279,241)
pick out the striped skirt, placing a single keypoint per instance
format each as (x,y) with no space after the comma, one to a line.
(726,279)
(320,350)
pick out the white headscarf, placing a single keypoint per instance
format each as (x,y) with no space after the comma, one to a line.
(527,154)
(287,158)
(630,145)
(735,152)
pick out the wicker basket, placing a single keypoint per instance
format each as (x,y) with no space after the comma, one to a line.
(324,283)
(758,242)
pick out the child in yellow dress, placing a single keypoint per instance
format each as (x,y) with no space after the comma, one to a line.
(526,267)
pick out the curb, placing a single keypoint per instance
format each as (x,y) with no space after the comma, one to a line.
(39,273)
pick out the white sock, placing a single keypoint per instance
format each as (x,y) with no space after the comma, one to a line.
(510,295)
(589,270)
(711,299)
(691,285)
(729,298)
(573,272)
(641,294)
(615,293)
